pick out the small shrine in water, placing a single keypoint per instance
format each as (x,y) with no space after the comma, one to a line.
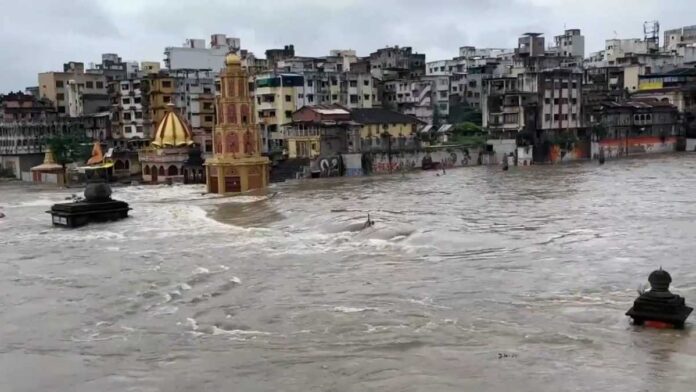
(167,158)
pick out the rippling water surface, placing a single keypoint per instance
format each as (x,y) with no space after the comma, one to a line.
(283,291)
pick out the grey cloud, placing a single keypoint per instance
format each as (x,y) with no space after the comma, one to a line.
(40,35)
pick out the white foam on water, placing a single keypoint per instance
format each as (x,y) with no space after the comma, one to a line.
(184,286)
(238,332)
(200,271)
(165,310)
(349,309)
(192,323)
(236,280)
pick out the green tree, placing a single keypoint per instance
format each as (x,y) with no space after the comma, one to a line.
(460,113)
(69,147)
(469,134)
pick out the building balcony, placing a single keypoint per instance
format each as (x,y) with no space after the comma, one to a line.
(265,106)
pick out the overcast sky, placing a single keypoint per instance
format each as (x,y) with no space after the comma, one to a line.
(40,35)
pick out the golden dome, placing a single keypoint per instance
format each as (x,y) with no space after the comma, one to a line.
(233,59)
(172,131)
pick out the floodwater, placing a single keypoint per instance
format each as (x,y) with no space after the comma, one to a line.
(478,280)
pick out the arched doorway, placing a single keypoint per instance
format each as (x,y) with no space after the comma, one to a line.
(154,173)
(119,165)
(172,171)
(127,165)
(147,170)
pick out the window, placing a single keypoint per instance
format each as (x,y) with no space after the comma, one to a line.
(139,129)
(555,117)
(89,84)
(310,83)
(167,98)
(575,84)
(60,96)
(547,117)
(288,98)
(125,87)
(137,100)
(61,109)
(100,84)
(565,117)
(547,100)
(334,82)
(136,86)
(366,82)
(366,97)
(126,101)
(454,89)
(206,90)
(208,118)
(166,84)
(574,117)
(443,94)
(510,118)
(353,98)
(59,84)
(126,116)
(555,101)
(334,97)
(207,106)
(353,83)
(443,82)
(288,113)
(138,115)
(443,106)
(310,97)
(300,96)
(574,101)
(564,84)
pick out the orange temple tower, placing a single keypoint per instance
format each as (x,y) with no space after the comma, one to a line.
(237,165)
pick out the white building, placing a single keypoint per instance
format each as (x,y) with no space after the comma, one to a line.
(676,38)
(619,48)
(570,44)
(193,54)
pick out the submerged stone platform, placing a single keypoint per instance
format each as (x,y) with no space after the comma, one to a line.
(96,207)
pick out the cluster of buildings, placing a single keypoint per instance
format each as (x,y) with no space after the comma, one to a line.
(539,102)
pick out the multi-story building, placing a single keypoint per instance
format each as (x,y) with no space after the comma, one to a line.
(273,56)
(195,99)
(88,91)
(569,44)
(194,54)
(616,49)
(114,68)
(277,96)
(130,99)
(680,37)
(28,121)
(252,64)
(400,60)
(530,45)
(636,126)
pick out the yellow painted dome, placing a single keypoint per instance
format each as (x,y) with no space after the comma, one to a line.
(172,131)
(232,58)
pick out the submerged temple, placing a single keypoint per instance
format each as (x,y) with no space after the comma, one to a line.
(166,158)
(237,164)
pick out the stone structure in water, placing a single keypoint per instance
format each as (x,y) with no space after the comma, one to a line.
(658,307)
(97,206)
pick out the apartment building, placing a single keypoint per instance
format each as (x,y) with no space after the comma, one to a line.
(74,91)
